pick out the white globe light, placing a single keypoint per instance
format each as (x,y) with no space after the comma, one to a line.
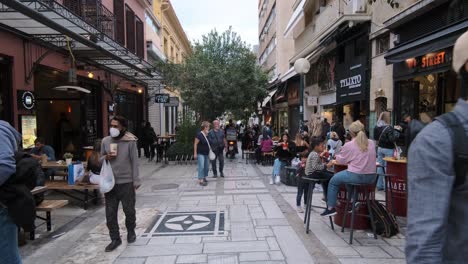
(302,66)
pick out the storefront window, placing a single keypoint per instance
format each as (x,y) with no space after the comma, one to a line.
(283,121)
(427,95)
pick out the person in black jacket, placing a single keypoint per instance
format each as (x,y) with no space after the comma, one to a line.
(285,152)
(147,141)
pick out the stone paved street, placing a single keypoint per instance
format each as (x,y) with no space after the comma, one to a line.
(238,219)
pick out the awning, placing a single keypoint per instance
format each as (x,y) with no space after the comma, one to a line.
(295,18)
(437,41)
(289,74)
(268,98)
(51,24)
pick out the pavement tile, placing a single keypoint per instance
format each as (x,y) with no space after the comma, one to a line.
(189,259)
(161,260)
(371,252)
(162,240)
(253,256)
(223,259)
(276,255)
(271,222)
(291,246)
(265,262)
(371,261)
(272,243)
(242,231)
(188,240)
(214,238)
(263,232)
(343,251)
(239,213)
(393,251)
(228,246)
(271,209)
(130,261)
(162,250)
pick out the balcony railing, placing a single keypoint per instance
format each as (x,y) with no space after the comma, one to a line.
(94,13)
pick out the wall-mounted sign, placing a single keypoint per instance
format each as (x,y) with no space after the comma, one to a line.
(161,98)
(312,100)
(423,64)
(173,101)
(351,83)
(26,99)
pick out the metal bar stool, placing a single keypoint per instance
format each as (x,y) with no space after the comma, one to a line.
(312,181)
(353,197)
(388,187)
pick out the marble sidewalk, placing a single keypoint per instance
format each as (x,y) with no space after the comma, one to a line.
(237,219)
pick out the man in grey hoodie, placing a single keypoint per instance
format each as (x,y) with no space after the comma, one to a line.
(9,139)
(437,208)
(120,149)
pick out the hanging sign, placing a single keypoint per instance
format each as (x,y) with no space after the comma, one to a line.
(161,98)
(351,83)
(26,99)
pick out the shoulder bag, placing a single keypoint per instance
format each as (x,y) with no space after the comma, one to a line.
(211,155)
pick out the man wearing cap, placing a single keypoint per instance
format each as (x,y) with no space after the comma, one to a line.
(437,200)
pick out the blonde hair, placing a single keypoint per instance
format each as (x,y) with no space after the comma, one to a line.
(384,116)
(205,124)
(333,135)
(298,139)
(357,131)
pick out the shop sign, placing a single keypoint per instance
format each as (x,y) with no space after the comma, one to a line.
(431,60)
(173,101)
(351,83)
(312,100)
(161,98)
(26,99)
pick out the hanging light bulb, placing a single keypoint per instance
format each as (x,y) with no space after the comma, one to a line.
(90,75)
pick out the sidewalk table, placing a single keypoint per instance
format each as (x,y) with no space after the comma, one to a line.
(69,190)
(361,221)
(38,190)
(398,185)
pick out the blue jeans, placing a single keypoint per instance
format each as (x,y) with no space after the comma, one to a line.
(381,154)
(344,177)
(9,239)
(203,166)
(277,166)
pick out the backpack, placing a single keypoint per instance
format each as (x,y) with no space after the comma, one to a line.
(385,223)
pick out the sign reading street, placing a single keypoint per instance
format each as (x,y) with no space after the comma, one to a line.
(161,98)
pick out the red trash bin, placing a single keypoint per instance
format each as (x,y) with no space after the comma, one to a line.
(398,186)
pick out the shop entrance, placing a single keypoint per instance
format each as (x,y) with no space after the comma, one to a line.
(5,89)
(67,120)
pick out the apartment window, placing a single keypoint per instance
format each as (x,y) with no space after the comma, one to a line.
(152,24)
(382,44)
(165,47)
(269,21)
(172,54)
(119,13)
(268,50)
(140,38)
(130,22)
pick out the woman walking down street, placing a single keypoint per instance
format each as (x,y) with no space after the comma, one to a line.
(201,151)
(359,155)
(386,137)
(285,152)
(334,144)
(301,144)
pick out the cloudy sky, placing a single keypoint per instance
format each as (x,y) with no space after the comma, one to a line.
(199,17)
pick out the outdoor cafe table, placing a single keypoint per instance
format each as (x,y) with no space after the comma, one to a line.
(57,165)
(361,221)
(398,185)
(80,192)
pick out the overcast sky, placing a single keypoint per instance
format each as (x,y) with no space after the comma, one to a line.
(199,17)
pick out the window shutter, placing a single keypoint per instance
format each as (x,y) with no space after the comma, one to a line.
(140,39)
(119,14)
(130,24)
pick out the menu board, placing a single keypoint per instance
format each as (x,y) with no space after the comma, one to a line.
(28,130)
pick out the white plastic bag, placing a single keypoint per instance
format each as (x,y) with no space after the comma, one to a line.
(107,180)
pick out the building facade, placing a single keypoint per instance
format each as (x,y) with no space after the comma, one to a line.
(67,66)
(175,46)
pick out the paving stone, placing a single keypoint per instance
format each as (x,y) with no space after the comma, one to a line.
(276,255)
(239,213)
(291,246)
(343,251)
(162,240)
(393,251)
(263,232)
(141,241)
(214,238)
(371,252)
(161,259)
(222,259)
(253,256)
(371,261)
(242,231)
(264,262)
(228,246)
(246,191)
(272,243)
(271,209)
(271,222)
(189,259)
(130,261)
(395,242)
(188,240)
(162,250)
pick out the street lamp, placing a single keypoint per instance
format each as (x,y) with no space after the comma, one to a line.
(302,67)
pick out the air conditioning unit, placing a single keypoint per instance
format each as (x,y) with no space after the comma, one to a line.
(359,6)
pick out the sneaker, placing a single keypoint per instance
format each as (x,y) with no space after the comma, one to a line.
(328,212)
(277,179)
(271,181)
(300,210)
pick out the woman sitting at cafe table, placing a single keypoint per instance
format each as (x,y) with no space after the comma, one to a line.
(359,154)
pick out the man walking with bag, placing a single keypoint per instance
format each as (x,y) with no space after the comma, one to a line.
(218,144)
(120,149)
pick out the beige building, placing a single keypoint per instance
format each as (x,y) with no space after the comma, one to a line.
(172,45)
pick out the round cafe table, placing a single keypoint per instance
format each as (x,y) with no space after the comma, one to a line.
(398,185)
(361,221)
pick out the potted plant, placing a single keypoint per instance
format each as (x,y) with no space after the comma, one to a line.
(68,158)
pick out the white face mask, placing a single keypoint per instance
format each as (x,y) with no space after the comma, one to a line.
(114,132)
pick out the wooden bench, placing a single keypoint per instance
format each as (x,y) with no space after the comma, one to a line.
(48,206)
(83,189)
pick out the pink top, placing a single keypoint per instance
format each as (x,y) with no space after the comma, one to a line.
(357,161)
(266,145)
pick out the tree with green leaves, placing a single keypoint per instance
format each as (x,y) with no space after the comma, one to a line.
(220,76)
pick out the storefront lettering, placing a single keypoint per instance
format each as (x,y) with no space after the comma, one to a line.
(433,59)
(399,186)
(351,82)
